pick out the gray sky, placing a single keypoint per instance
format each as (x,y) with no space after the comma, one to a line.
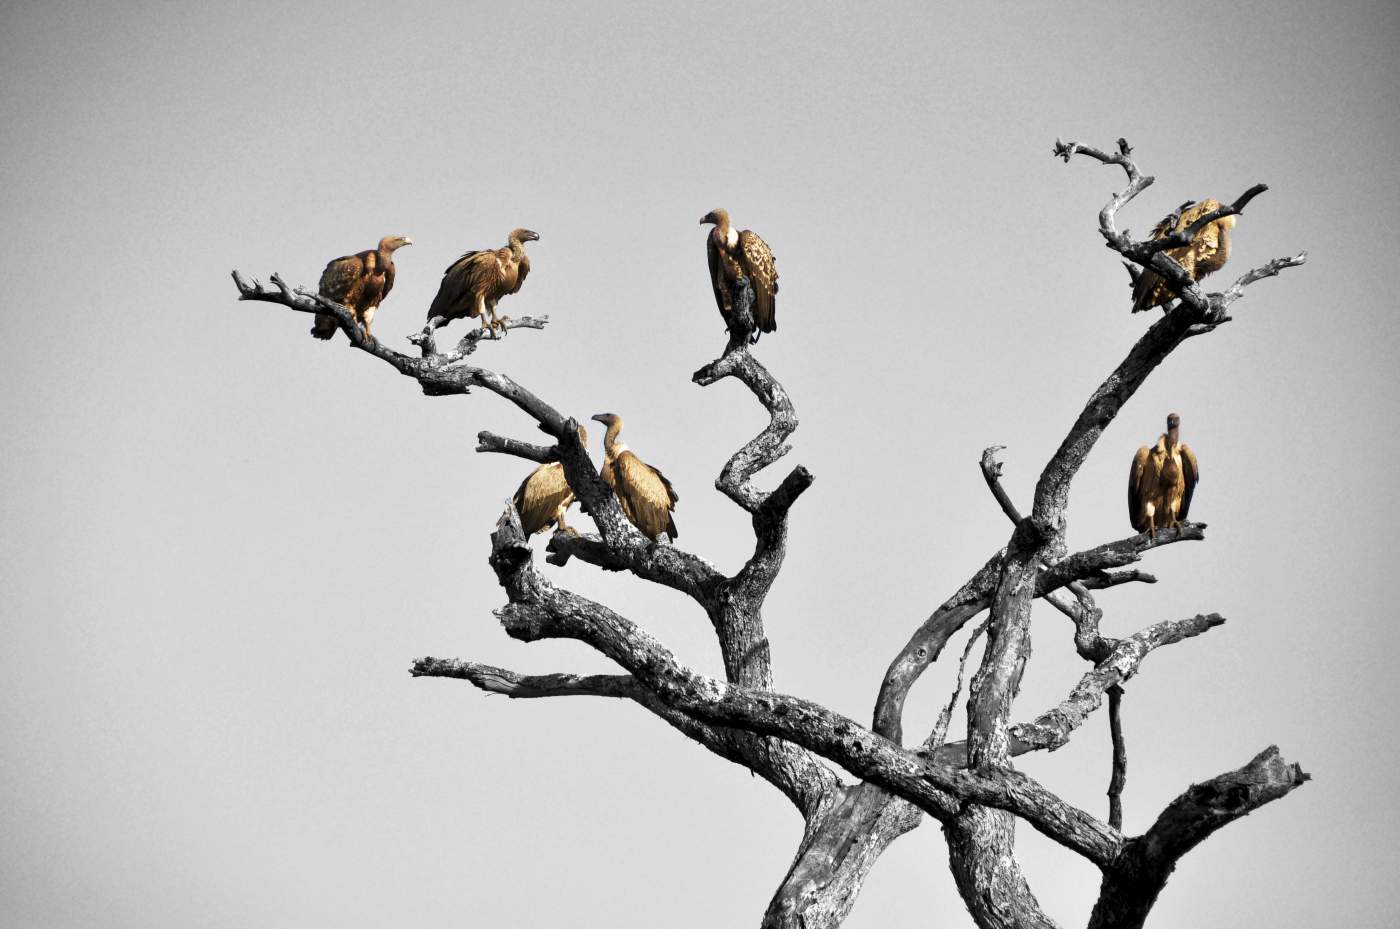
(224,541)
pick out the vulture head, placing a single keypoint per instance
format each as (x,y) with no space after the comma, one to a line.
(524,235)
(391,242)
(716,217)
(1173,421)
(607,419)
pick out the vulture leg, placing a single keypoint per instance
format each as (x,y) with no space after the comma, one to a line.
(559,520)
(369,315)
(498,328)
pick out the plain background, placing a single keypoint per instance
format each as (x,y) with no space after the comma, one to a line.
(224,542)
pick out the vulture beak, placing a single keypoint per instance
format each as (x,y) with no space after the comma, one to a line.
(599,417)
(407,240)
(707,218)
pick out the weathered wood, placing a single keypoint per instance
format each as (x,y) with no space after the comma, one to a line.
(970,786)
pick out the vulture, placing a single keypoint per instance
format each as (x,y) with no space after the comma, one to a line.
(1207,253)
(545,495)
(741,254)
(647,498)
(1161,482)
(359,283)
(472,284)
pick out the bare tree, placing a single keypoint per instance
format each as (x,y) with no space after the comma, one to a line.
(970,787)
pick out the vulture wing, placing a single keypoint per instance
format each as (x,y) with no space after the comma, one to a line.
(1191,471)
(757,260)
(341,281)
(1139,478)
(522,270)
(462,282)
(646,496)
(388,281)
(541,495)
(718,281)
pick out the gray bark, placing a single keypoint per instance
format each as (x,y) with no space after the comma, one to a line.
(970,787)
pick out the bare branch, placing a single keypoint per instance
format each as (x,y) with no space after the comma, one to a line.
(659,563)
(1188,235)
(538,610)
(1053,729)
(1092,566)
(1131,884)
(426,340)
(926,644)
(490,442)
(768,446)
(1137,183)
(501,681)
(991,472)
(939,735)
(1120,757)
(1271,269)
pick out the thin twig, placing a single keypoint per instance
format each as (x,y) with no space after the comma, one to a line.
(1120,757)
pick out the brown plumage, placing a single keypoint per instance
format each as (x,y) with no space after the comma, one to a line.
(741,254)
(645,495)
(1207,253)
(545,496)
(1162,479)
(359,282)
(473,284)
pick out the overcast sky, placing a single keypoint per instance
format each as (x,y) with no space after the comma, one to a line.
(224,542)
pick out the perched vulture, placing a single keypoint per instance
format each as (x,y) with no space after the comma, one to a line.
(359,283)
(1207,253)
(741,254)
(1161,482)
(472,284)
(647,498)
(545,495)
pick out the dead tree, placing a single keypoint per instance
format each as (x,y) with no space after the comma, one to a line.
(970,787)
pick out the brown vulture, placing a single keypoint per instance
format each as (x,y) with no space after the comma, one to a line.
(472,284)
(647,498)
(359,283)
(1161,482)
(741,254)
(545,495)
(1207,253)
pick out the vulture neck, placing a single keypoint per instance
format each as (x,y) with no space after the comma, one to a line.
(517,247)
(611,446)
(1172,438)
(724,231)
